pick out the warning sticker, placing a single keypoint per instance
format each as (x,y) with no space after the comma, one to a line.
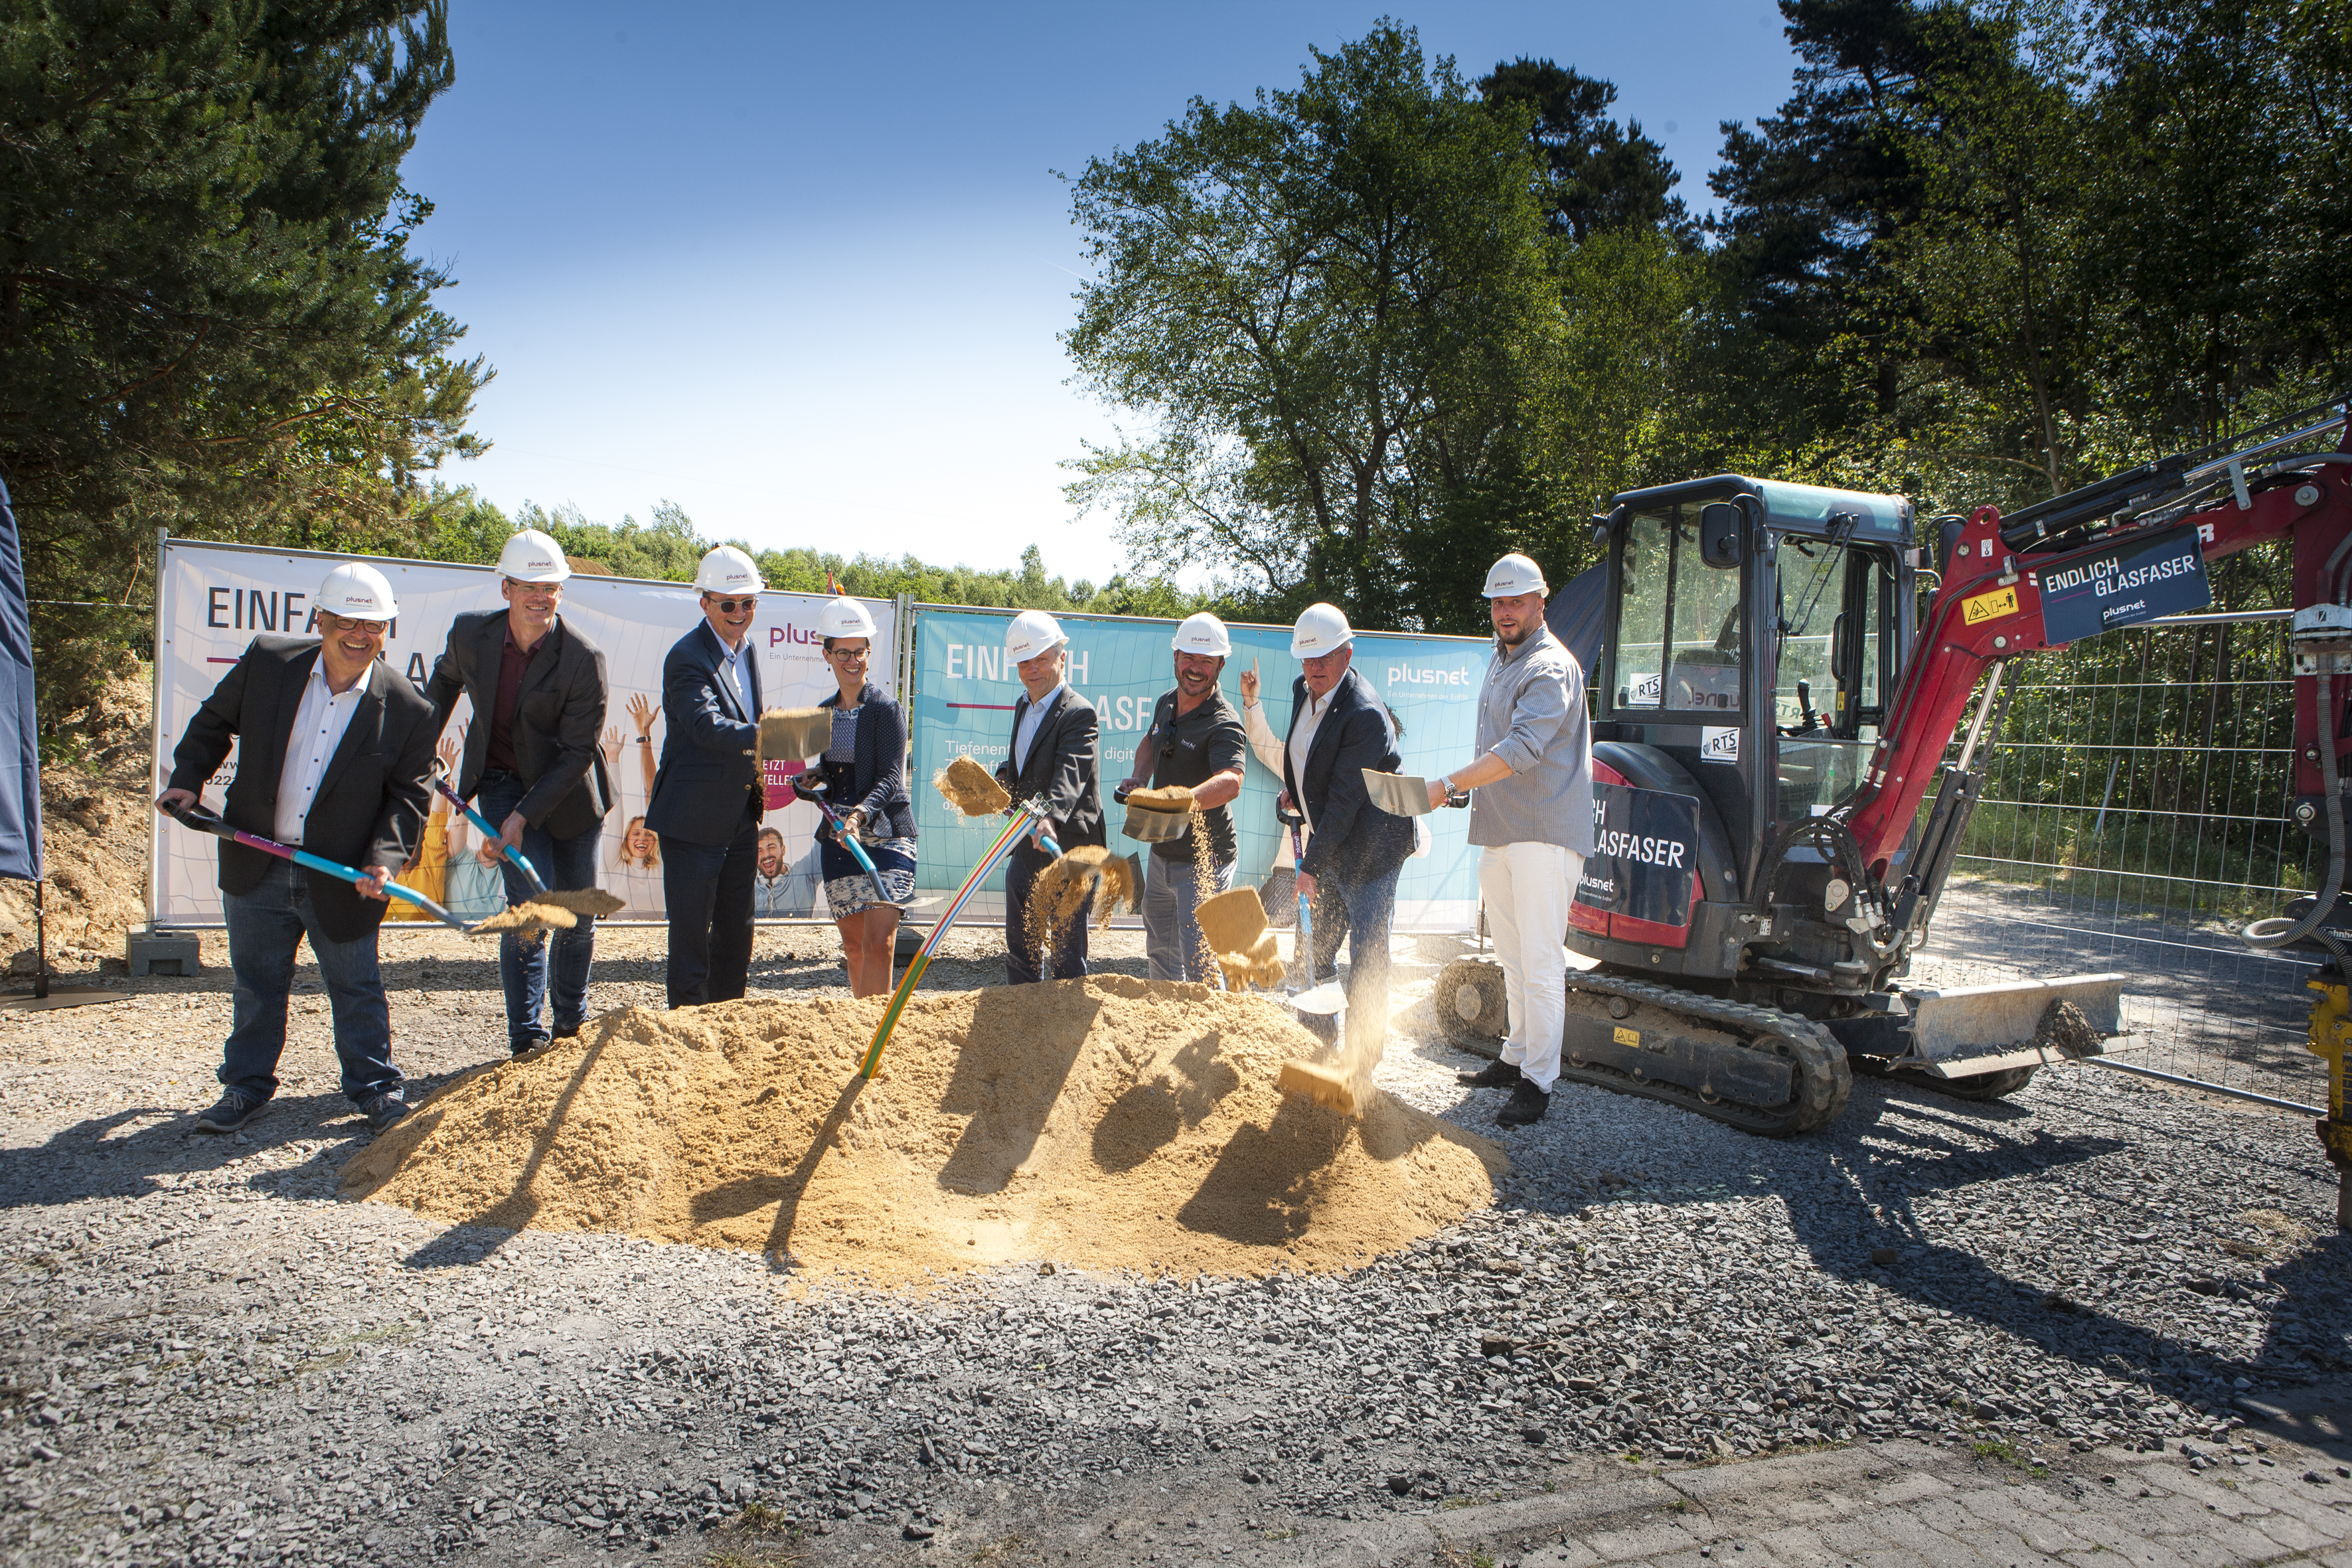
(1626,1037)
(1989,606)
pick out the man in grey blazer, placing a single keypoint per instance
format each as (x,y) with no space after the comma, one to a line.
(709,795)
(1053,735)
(532,768)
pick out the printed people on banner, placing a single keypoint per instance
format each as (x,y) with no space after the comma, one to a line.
(429,872)
(785,889)
(633,850)
(446,868)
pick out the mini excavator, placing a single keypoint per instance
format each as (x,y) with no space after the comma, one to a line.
(1774,706)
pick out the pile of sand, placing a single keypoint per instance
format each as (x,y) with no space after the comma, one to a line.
(1106,1122)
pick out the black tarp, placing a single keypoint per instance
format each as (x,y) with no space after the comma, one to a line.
(1574,618)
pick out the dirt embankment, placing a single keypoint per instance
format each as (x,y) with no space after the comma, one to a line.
(95,821)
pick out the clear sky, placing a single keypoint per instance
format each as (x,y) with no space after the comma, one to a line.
(800,270)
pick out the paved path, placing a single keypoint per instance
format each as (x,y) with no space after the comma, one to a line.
(2274,1493)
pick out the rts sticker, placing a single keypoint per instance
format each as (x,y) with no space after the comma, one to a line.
(1989,606)
(1718,745)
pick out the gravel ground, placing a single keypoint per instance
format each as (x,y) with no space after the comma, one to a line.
(209,1357)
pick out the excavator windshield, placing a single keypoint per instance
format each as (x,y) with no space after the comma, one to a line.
(1834,601)
(1678,642)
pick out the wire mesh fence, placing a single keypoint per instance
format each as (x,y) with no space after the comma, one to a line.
(2135,818)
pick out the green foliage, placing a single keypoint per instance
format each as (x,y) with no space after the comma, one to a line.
(209,314)
(1338,306)
(466,528)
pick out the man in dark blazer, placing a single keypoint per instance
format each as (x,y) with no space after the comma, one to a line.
(532,769)
(709,795)
(1338,727)
(336,745)
(1053,754)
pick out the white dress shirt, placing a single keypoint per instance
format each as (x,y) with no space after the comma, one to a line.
(1302,741)
(1027,730)
(319,726)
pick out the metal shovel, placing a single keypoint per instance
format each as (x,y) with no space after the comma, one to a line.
(1401,794)
(1328,998)
(1145,825)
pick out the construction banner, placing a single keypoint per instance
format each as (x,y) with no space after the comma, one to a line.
(212,599)
(965,690)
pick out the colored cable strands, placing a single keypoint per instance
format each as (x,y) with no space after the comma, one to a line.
(1027,817)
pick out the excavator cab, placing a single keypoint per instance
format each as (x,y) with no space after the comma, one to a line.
(1755,631)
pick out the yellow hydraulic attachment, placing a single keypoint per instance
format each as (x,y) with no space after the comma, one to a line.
(2331,1036)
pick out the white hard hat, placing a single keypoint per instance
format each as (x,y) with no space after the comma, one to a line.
(1204,634)
(359,592)
(1321,629)
(1033,632)
(531,556)
(845,618)
(728,570)
(1515,574)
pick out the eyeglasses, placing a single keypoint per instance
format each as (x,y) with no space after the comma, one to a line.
(536,590)
(848,653)
(728,606)
(343,623)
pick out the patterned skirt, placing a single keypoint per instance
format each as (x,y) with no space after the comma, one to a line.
(847,887)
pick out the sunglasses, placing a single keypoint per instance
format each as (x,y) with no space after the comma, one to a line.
(728,606)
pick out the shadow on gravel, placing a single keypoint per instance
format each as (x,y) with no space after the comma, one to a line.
(88,1160)
(1916,1144)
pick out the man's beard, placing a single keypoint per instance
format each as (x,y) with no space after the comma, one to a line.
(1526,631)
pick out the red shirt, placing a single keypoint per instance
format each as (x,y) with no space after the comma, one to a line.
(512,663)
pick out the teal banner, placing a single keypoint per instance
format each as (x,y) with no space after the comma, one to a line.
(964,690)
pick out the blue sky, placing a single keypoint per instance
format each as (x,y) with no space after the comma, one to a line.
(800,270)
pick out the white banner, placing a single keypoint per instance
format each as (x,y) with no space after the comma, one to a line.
(213,598)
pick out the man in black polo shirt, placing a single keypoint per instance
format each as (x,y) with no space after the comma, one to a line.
(1196,741)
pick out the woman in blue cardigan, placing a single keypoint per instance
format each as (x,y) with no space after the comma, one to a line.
(865,771)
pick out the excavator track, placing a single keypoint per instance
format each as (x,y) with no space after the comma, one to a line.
(1654,1033)
(1820,1082)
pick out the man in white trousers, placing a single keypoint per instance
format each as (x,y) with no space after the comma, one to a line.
(1531,822)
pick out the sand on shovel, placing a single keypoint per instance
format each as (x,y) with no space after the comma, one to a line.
(1106,1122)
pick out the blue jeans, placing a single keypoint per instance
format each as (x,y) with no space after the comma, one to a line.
(568,865)
(1362,913)
(265,927)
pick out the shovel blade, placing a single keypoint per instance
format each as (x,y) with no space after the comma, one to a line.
(1324,1001)
(1324,1086)
(1397,793)
(591,901)
(794,734)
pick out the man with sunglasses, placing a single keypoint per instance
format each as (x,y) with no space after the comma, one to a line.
(708,796)
(335,748)
(532,768)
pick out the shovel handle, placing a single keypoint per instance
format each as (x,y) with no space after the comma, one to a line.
(496,836)
(204,821)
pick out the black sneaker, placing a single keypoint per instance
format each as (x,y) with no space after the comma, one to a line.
(229,1112)
(384,1110)
(1494,1075)
(566,1032)
(1528,1104)
(529,1047)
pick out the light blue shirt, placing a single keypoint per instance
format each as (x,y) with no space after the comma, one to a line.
(1027,730)
(730,665)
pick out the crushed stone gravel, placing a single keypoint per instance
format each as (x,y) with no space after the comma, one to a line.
(210,1356)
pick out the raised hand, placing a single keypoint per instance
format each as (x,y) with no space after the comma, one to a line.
(641,711)
(448,751)
(612,747)
(1249,683)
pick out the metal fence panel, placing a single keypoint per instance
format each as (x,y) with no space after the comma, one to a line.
(2135,818)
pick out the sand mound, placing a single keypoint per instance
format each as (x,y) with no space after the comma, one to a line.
(1106,1122)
